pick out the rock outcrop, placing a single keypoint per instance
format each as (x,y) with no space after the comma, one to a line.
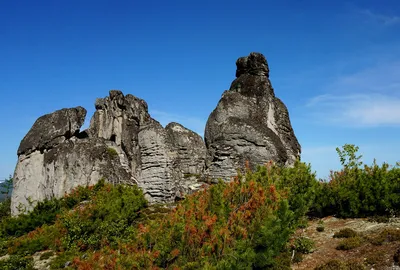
(157,157)
(54,158)
(124,144)
(249,123)
(52,129)
(189,160)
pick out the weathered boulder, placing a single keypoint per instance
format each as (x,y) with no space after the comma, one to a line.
(52,129)
(53,163)
(249,123)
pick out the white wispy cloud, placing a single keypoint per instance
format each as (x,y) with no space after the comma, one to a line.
(381,18)
(193,123)
(367,98)
(357,110)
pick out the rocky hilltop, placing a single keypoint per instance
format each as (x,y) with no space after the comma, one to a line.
(124,144)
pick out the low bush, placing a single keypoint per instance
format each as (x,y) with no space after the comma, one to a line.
(345,233)
(340,265)
(304,245)
(112,152)
(243,224)
(105,220)
(376,258)
(5,209)
(17,262)
(320,226)
(45,212)
(357,191)
(386,235)
(349,243)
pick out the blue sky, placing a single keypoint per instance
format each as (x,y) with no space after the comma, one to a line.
(335,64)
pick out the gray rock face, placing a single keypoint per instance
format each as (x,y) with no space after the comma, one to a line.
(190,155)
(52,164)
(249,123)
(52,129)
(156,155)
(118,118)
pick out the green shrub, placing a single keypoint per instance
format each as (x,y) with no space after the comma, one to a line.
(112,152)
(357,191)
(5,198)
(340,265)
(5,209)
(320,226)
(63,257)
(345,233)
(304,245)
(239,225)
(349,243)
(40,239)
(17,262)
(298,181)
(387,235)
(45,212)
(376,258)
(303,223)
(105,220)
(243,224)
(332,265)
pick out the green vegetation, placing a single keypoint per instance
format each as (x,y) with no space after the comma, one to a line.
(339,265)
(387,235)
(349,243)
(358,192)
(345,233)
(320,226)
(248,223)
(17,262)
(5,198)
(112,152)
(304,245)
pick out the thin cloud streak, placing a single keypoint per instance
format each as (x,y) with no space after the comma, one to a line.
(383,19)
(357,110)
(367,98)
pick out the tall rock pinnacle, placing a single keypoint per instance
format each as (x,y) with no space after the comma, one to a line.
(249,123)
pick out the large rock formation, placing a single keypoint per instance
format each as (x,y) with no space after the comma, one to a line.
(53,158)
(249,123)
(124,144)
(160,159)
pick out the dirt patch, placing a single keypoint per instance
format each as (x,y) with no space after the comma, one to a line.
(371,256)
